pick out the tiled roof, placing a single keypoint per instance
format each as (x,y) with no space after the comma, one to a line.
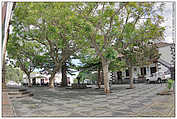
(162,44)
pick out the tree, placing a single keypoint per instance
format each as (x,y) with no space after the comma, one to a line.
(58,30)
(64,74)
(141,26)
(67,69)
(102,27)
(90,62)
(21,52)
(114,26)
(14,74)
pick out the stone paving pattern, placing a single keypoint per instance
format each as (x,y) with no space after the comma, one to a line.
(142,101)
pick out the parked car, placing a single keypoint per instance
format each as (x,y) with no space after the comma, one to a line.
(157,77)
(167,76)
(12,83)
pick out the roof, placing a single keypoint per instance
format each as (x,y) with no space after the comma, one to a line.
(120,55)
(162,44)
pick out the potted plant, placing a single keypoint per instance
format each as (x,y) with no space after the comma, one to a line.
(169,86)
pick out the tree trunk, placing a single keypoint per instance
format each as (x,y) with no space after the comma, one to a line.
(99,78)
(3,75)
(117,78)
(78,81)
(51,81)
(102,76)
(105,65)
(64,75)
(29,80)
(131,77)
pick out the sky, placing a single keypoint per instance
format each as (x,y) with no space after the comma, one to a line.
(168,17)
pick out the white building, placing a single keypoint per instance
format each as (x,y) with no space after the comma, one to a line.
(165,57)
(141,73)
(37,78)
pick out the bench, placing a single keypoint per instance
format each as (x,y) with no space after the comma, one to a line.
(79,86)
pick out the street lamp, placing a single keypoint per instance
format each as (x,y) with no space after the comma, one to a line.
(173,61)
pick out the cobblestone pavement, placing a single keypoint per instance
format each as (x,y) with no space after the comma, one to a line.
(60,102)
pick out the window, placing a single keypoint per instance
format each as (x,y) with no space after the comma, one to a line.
(127,73)
(143,71)
(153,70)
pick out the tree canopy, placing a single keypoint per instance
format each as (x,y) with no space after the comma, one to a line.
(99,32)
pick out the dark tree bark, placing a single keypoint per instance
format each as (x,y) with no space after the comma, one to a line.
(99,77)
(78,81)
(29,80)
(64,75)
(118,78)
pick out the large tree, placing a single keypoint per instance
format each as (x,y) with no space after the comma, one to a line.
(21,52)
(90,62)
(67,68)
(56,28)
(102,25)
(141,29)
(113,26)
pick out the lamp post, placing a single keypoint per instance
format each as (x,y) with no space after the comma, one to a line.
(173,45)
(173,61)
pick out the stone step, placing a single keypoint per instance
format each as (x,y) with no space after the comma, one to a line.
(21,96)
(14,89)
(18,92)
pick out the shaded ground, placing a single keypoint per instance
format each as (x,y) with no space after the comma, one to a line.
(122,102)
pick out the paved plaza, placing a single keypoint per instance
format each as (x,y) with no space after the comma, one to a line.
(60,102)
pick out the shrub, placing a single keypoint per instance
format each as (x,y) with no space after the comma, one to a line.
(170,83)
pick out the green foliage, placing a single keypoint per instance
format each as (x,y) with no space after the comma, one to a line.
(170,84)
(110,54)
(13,74)
(75,81)
(137,33)
(55,27)
(117,65)
(87,75)
(97,31)
(21,51)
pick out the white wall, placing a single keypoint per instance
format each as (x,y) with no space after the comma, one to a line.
(166,56)
(138,71)
(165,53)
(58,78)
